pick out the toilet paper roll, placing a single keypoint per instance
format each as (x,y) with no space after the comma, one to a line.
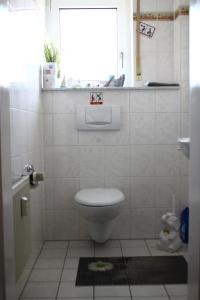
(38,176)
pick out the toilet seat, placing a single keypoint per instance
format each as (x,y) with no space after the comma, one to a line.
(99,197)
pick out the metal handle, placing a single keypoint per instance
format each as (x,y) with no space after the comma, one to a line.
(24,206)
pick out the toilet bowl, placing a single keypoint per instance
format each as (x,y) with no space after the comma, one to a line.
(100,207)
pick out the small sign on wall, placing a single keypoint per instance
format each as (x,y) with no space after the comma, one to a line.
(96,98)
(147,30)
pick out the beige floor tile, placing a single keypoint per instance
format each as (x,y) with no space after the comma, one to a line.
(71,263)
(113,298)
(148,291)
(178,298)
(156,252)
(133,243)
(53,253)
(56,245)
(77,252)
(48,275)
(69,275)
(40,290)
(137,251)
(68,289)
(150,298)
(49,263)
(81,244)
(108,252)
(176,289)
(152,242)
(112,291)
(72,298)
(37,298)
(108,244)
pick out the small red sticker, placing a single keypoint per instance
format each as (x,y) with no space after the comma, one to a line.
(96,98)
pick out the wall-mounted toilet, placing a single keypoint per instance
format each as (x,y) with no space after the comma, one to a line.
(99,206)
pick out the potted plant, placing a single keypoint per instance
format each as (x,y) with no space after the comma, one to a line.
(51,71)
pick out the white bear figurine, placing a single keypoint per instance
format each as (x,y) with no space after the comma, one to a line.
(169,236)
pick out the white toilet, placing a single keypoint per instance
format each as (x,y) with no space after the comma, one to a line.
(99,206)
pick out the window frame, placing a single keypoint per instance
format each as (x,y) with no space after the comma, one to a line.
(125,27)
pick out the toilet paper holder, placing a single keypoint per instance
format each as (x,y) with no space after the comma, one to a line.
(34,177)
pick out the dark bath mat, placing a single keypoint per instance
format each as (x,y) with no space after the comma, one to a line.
(131,270)
(157,270)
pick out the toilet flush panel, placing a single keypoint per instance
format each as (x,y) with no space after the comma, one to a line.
(104,117)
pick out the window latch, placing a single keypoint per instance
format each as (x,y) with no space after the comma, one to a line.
(122,59)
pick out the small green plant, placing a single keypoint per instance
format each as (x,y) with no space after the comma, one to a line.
(51,54)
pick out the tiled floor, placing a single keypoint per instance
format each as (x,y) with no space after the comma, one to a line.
(54,273)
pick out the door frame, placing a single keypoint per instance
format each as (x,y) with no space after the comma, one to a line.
(194,176)
(7,250)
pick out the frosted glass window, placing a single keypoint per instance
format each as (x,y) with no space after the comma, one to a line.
(88,39)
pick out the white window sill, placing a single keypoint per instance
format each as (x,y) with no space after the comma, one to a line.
(114,88)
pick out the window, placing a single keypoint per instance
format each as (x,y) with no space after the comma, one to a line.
(88,40)
(95,37)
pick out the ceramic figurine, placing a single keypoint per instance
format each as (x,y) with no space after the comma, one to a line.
(169,236)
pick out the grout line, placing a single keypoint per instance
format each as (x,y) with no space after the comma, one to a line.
(93,287)
(131,292)
(71,240)
(104,166)
(93,292)
(121,249)
(129,287)
(148,248)
(169,297)
(94,249)
(110,145)
(31,270)
(62,270)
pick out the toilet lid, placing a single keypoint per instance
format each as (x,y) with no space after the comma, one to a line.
(99,197)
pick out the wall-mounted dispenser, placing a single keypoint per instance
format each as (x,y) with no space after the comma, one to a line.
(104,117)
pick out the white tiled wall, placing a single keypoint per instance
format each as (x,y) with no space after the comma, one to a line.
(26,112)
(141,159)
(26,145)
(159,49)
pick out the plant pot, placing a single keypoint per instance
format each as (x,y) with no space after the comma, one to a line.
(49,75)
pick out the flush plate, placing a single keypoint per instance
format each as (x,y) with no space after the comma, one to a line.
(102,117)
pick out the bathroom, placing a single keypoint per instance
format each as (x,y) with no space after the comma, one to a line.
(141,159)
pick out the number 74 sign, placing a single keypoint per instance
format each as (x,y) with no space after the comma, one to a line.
(146,29)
